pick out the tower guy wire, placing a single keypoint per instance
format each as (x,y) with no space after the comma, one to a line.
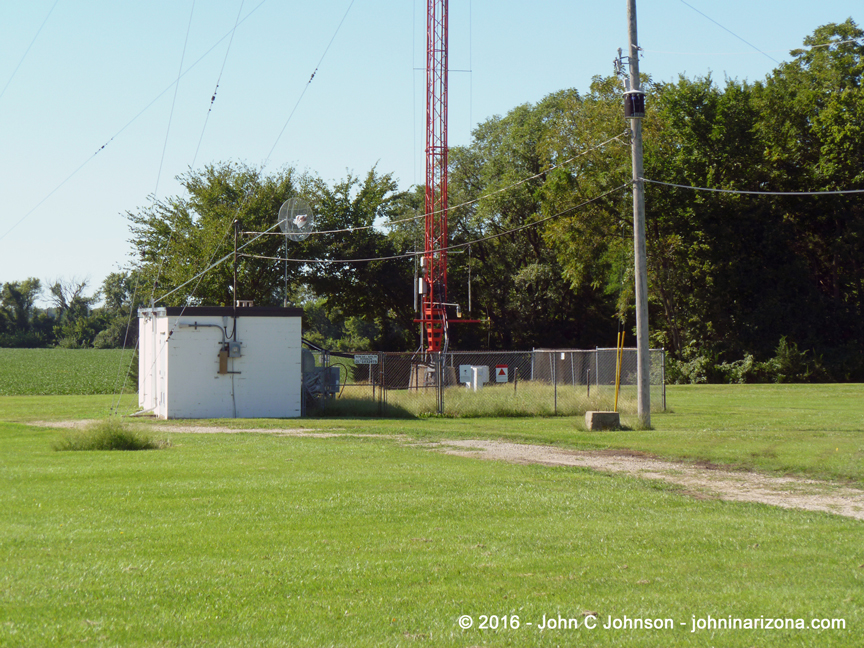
(127,125)
(27,51)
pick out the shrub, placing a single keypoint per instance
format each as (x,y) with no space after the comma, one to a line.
(738,372)
(789,365)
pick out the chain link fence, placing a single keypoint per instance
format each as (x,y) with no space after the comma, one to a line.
(541,382)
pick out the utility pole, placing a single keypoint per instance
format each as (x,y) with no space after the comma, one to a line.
(635,111)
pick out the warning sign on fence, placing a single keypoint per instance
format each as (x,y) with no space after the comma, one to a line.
(501,373)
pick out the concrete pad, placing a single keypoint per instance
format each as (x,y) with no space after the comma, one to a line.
(602,420)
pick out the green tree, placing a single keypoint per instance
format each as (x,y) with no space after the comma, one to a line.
(22,324)
(517,280)
(121,297)
(77,324)
(180,237)
(814,140)
(593,241)
(377,292)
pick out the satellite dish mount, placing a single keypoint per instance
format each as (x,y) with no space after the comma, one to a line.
(296,219)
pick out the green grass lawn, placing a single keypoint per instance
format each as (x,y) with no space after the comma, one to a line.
(257,540)
(254,540)
(813,430)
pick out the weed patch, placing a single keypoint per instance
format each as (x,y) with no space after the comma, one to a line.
(108,434)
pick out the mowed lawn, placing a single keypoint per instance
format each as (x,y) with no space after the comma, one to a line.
(258,540)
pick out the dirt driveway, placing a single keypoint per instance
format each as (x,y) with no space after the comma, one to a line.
(704,482)
(697,480)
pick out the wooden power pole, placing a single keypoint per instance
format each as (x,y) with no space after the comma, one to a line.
(635,111)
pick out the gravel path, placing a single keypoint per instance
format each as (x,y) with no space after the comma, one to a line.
(700,481)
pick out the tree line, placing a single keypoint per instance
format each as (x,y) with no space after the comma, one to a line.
(74,320)
(742,287)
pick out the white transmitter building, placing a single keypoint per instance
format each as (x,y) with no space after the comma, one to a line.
(220,362)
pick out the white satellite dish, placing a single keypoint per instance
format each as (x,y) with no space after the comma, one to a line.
(296,219)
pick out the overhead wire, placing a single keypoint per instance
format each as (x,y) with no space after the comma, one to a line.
(170,236)
(24,56)
(456,246)
(757,193)
(174,101)
(803,47)
(468,202)
(206,119)
(214,264)
(218,80)
(127,125)
(246,196)
(478,240)
(155,196)
(309,82)
(730,31)
(165,147)
(548,218)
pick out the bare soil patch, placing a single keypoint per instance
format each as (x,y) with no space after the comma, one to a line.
(703,481)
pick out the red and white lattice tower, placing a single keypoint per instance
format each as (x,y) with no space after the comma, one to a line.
(433,314)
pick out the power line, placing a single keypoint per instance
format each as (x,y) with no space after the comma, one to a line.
(469,202)
(758,193)
(730,31)
(201,138)
(165,145)
(803,47)
(457,246)
(38,31)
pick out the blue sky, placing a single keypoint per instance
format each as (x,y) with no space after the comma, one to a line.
(96,64)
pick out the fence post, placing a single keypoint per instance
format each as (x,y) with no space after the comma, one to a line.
(663,375)
(554,380)
(597,369)
(380,377)
(439,375)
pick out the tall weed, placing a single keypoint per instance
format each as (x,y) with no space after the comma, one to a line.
(108,434)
